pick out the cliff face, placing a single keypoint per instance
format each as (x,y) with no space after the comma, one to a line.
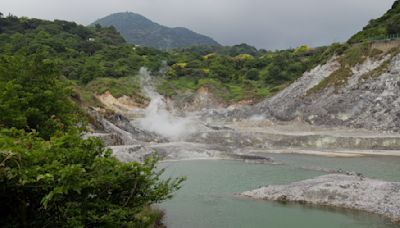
(368,97)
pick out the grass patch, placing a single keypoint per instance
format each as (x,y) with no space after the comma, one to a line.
(377,71)
(235,93)
(357,54)
(336,79)
(263,92)
(118,87)
(85,97)
(276,89)
(352,56)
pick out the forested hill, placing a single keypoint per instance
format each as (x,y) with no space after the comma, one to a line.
(82,53)
(137,29)
(98,59)
(386,26)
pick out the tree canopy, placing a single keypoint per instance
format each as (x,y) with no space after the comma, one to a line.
(49,175)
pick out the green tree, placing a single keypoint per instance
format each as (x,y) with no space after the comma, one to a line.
(393,26)
(72,182)
(49,175)
(253,74)
(32,97)
(301,49)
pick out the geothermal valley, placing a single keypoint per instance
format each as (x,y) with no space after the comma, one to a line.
(322,154)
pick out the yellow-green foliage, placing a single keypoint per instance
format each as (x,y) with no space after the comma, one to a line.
(301,49)
(206,70)
(244,57)
(209,56)
(180,65)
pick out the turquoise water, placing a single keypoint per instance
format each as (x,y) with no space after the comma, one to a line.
(207,198)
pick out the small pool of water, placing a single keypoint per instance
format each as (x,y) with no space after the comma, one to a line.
(207,197)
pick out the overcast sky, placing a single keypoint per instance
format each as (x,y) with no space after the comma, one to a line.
(269,24)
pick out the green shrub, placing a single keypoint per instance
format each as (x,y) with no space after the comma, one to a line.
(32,97)
(72,182)
(253,74)
(49,175)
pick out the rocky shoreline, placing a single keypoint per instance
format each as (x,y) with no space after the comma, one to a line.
(348,190)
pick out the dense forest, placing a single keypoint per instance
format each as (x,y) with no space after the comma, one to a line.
(49,175)
(97,58)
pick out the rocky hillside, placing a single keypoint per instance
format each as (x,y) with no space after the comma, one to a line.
(363,94)
(358,87)
(137,29)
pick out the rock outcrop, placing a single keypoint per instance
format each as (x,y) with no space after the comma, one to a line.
(120,127)
(352,191)
(370,98)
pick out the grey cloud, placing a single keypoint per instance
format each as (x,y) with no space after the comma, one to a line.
(270,24)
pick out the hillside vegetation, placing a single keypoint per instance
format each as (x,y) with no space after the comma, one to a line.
(384,27)
(239,72)
(88,56)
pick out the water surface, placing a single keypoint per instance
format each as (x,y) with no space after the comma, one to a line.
(207,198)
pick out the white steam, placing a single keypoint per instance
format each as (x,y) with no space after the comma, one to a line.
(157,117)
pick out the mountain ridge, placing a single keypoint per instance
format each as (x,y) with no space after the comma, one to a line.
(139,30)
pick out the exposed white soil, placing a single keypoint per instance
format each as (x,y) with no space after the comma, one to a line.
(352,191)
